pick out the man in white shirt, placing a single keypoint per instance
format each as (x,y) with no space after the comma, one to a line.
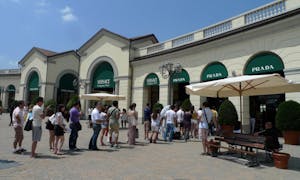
(205,119)
(97,119)
(18,121)
(170,121)
(180,114)
(38,116)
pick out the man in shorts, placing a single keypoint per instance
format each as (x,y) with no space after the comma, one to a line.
(18,121)
(38,116)
(114,115)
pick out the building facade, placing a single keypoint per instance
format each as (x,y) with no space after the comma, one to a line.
(263,40)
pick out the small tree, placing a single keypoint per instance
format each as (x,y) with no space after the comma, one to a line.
(186,105)
(72,101)
(227,114)
(51,105)
(157,106)
(288,116)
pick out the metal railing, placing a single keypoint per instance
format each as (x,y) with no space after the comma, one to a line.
(183,40)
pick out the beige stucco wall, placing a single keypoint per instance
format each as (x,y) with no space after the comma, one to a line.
(7,80)
(116,53)
(36,62)
(282,38)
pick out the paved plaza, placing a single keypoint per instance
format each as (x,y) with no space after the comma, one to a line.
(176,160)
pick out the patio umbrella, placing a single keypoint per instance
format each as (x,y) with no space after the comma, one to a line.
(102,97)
(247,85)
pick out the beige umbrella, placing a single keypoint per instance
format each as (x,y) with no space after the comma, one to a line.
(102,97)
(247,85)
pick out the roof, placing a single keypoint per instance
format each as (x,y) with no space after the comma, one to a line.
(45,52)
(154,39)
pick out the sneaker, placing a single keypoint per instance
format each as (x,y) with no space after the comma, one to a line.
(116,146)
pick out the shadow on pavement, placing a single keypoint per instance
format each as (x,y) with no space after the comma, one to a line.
(41,156)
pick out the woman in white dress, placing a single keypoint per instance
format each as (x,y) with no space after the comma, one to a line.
(132,120)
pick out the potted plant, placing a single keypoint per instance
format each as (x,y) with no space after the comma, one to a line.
(281,160)
(288,121)
(228,117)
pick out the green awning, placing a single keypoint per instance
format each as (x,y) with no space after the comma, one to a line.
(11,88)
(151,80)
(104,76)
(182,77)
(264,63)
(214,71)
(68,83)
(34,82)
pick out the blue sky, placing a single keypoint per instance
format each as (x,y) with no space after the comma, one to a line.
(61,25)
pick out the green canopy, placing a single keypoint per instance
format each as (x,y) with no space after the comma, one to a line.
(182,77)
(264,63)
(34,82)
(66,83)
(11,88)
(151,80)
(214,71)
(103,76)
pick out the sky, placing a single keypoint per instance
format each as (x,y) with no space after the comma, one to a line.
(62,25)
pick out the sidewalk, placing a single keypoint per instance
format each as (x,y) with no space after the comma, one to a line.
(176,160)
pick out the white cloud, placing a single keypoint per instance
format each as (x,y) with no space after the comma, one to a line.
(67,14)
(42,7)
(42,3)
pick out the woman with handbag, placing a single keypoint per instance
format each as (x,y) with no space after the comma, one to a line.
(59,129)
(50,127)
(132,120)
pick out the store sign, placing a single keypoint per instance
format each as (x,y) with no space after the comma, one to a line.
(264,63)
(151,80)
(179,80)
(214,71)
(263,68)
(182,77)
(103,83)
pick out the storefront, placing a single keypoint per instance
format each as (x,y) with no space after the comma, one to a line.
(178,82)
(151,89)
(103,78)
(264,108)
(214,71)
(68,87)
(33,86)
(11,92)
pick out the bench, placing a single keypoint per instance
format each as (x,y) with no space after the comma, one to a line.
(243,144)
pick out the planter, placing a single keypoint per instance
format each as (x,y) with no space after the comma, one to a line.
(212,149)
(291,137)
(227,130)
(281,160)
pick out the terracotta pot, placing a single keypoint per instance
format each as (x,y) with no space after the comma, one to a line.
(227,130)
(291,137)
(281,160)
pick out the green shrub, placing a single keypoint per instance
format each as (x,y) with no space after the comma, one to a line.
(227,113)
(51,104)
(288,116)
(186,104)
(72,101)
(157,106)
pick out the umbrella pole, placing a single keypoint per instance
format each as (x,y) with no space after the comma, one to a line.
(241,109)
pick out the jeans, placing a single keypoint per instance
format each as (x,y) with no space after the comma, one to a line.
(170,129)
(93,141)
(73,136)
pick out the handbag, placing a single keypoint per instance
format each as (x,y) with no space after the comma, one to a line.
(28,125)
(136,133)
(78,126)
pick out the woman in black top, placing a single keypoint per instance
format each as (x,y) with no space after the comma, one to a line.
(187,123)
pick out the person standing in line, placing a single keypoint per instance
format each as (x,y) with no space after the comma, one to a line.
(194,123)
(170,121)
(155,123)
(38,116)
(187,123)
(147,120)
(75,126)
(59,129)
(11,110)
(205,119)
(49,112)
(18,121)
(123,118)
(97,119)
(114,115)
(180,114)
(132,119)
(104,124)
(214,125)
(199,114)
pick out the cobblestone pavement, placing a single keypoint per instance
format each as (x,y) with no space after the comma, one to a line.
(176,160)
